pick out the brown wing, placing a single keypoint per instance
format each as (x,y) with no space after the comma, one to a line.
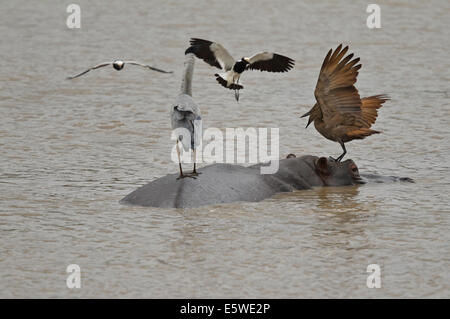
(368,114)
(335,92)
(369,108)
(270,62)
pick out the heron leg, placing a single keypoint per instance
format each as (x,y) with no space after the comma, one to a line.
(179,163)
(194,172)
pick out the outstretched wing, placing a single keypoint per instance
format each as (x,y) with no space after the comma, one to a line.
(212,53)
(335,92)
(270,62)
(147,66)
(369,108)
(93,68)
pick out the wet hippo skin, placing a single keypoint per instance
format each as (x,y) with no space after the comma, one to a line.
(226,183)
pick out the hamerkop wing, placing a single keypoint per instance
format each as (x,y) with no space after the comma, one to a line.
(338,98)
(334,90)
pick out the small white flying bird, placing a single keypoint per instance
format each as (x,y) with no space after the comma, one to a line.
(216,55)
(118,65)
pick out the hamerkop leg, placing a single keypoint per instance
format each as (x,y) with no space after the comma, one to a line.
(343,154)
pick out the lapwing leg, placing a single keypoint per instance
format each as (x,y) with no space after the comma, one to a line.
(236,92)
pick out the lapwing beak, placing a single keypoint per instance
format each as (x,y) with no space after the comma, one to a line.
(236,95)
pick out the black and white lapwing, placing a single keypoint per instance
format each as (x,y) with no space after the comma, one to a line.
(216,55)
(118,65)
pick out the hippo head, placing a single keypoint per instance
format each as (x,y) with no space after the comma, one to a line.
(335,173)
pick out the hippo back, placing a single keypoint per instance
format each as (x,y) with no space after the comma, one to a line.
(217,183)
(225,183)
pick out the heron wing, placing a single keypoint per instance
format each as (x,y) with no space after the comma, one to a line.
(185,114)
(147,66)
(93,68)
(186,103)
(212,53)
(335,92)
(270,62)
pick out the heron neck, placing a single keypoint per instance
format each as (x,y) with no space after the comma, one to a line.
(186,81)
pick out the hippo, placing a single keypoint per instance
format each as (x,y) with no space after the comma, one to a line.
(226,183)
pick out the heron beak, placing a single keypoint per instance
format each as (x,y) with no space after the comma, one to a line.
(236,95)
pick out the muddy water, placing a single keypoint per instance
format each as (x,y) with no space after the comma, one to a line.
(71,149)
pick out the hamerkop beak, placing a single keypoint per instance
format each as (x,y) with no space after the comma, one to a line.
(309,120)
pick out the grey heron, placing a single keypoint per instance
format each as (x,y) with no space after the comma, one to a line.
(118,65)
(185,115)
(216,55)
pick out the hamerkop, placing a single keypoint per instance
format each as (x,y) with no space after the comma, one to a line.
(340,114)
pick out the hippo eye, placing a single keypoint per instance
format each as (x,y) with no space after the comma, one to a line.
(354,168)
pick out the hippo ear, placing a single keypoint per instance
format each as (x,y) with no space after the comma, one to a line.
(322,165)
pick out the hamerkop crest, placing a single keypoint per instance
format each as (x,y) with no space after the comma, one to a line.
(340,114)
